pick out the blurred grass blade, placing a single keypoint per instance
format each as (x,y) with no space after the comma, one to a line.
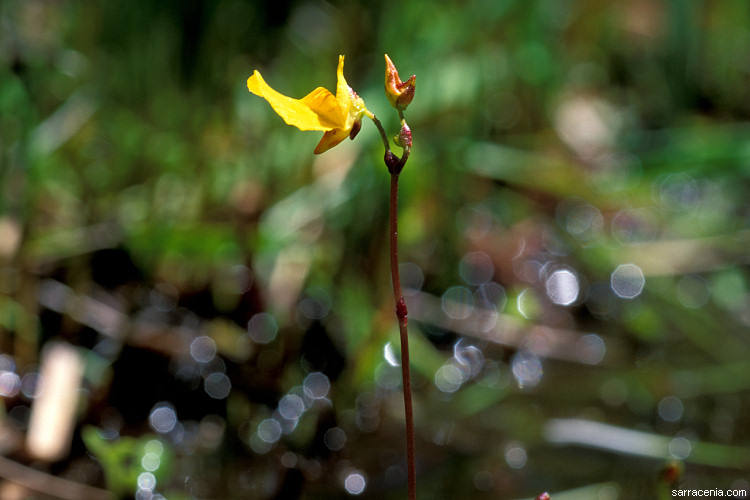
(64,123)
(631,442)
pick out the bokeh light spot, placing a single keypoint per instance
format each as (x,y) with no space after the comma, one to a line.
(528,304)
(628,281)
(291,406)
(448,378)
(355,483)
(269,430)
(580,219)
(262,328)
(390,355)
(154,446)
(163,418)
(7,363)
(203,349)
(335,438)
(670,408)
(469,358)
(146,481)
(515,455)
(10,384)
(527,369)
(151,461)
(679,191)
(217,385)
(476,268)
(316,385)
(562,287)
(491,296)
(489,302)
(680,448)
(590,349)
(241,278)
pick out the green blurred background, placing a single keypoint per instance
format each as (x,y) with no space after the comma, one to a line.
(574,229)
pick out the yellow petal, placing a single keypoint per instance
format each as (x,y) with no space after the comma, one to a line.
(325,105)
(331,139)
(316,111)
(343,92)
(352,106)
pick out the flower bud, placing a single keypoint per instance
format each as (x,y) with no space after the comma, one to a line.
(399,93)
(403,138)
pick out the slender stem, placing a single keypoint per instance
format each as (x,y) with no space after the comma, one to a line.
(395,165)
(401,314)
(379,125)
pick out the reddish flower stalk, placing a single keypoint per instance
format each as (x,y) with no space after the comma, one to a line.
(400,94)
(395,165)
(401,314)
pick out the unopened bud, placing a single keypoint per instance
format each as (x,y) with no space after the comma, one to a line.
(403,138)
(399,93)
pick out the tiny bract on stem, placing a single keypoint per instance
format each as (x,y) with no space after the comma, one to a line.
(340,116)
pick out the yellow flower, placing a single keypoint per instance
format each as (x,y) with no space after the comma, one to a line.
(338,116)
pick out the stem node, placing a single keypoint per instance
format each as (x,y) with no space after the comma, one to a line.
(401,311)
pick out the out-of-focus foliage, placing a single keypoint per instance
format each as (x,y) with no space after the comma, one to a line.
(574,236)
(127,461)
